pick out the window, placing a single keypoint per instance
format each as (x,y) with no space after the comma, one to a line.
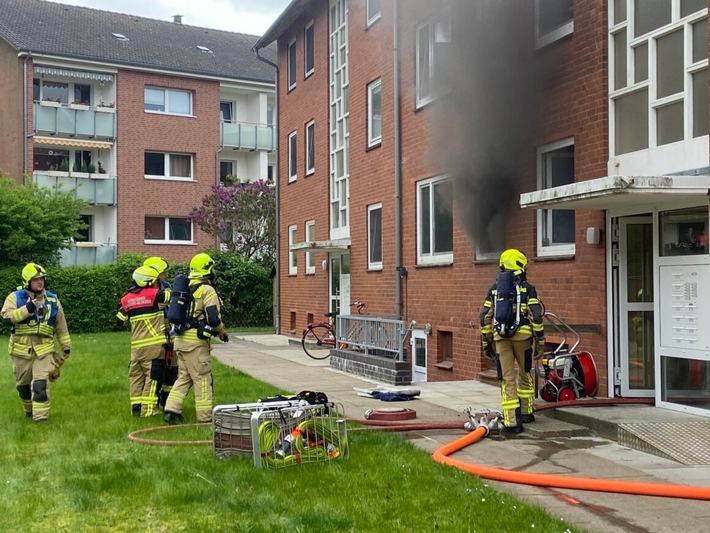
(82,94)
(292,157)
(308,52)
(374,237)
(270,173)
(432,40)
(292,258)
(86,234)
(310,148)
(168,230)
(553,20)
(659,80)
(374,113)
(173,166)
(373,11)
(556,229)
(170,101)
(310,256)
(225,111)
(292,65)
(227,172)
(435,228)
(270,115)
(684,231)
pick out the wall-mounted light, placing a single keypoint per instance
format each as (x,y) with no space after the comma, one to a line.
(594,235)
(427,328)
(324,264)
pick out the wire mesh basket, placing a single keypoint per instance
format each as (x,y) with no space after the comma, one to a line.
(280,434)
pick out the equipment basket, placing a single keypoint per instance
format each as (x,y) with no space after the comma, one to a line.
(281,433)
(569,373)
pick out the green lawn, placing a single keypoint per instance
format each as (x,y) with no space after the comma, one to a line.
(80,473)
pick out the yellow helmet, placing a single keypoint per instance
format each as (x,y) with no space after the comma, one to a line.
(145,276)
(201,266)
(157,263)
(32,271)
(513,260)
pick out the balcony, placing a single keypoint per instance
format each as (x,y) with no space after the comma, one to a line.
(248,136)
(74,120)
(88,254)
(97,189)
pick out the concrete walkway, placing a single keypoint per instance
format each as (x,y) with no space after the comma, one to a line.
(548,446)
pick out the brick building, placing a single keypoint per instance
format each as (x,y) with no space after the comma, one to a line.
(142,116)
(424,137)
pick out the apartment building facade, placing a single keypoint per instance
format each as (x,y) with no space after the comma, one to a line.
(423,138)
(143,117)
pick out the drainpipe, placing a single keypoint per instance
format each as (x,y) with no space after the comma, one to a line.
(217,166)
(400,271)
(24,117)
(277,261)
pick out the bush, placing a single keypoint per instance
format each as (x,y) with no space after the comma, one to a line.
(91,295)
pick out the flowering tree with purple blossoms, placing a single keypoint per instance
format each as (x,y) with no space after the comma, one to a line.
(243,217)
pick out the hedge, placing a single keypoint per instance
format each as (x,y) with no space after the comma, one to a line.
(90,295)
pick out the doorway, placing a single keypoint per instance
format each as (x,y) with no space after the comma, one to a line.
(339,272)
(635,312)
(419,358)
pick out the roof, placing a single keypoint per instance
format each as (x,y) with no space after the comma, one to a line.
(281,24)
(618,191)
(82,33)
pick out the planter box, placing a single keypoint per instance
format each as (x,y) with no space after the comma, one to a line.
(105,109)
(58,173)
(49,103)
(79,174)
(81,107)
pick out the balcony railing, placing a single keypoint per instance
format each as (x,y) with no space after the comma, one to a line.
(74,120)
(97,189)
(248,136)
(88,253)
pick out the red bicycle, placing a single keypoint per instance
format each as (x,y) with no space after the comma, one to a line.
(319,337)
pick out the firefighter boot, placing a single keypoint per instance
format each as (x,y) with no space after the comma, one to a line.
(527,419)
(173,418)
(516,429)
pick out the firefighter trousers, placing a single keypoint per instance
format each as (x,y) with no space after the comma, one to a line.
(143,388)
(32,383)
(195,369)
(517,393)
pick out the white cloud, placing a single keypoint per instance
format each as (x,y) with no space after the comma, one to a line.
(242,16)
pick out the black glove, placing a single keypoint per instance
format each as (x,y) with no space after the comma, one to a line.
(31,307)
(224,337)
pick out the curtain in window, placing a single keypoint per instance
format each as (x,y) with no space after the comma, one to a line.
(180,166)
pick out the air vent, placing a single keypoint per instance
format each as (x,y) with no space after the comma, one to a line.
(120,36)
(205,50)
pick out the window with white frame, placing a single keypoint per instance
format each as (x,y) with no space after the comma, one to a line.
(159,165)
(374,11)
(173,230)
(310,256)
(433,39)
(169,101)
(308,51)
(225,111)
(659,79)
(310,148)
(292,157)
(374,237)
(374,113)
(553,20)
(556,228)
(291,64)
(292,256)
(435,227)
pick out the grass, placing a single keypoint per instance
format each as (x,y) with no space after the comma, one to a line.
(80,473)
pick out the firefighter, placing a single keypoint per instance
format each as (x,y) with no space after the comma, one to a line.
(164,370)
(37,319)
(514,340)
(192,345)
(142,307)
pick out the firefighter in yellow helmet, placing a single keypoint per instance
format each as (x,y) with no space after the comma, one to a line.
(512,332)
(37,320)
(192,344)
(142,308)
(164,370)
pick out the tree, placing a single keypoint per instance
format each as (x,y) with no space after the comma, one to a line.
(36,222)
(243,217)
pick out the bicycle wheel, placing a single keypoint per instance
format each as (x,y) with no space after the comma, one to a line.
(317,341)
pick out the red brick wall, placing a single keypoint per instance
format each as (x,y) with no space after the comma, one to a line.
(139,131)
(11,121)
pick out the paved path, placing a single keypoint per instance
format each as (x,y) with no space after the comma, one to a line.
(574,452)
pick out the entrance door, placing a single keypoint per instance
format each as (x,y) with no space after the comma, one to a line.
(418,343)
(340,283)
(636,306)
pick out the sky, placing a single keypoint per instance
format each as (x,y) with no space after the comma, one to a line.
(252,17)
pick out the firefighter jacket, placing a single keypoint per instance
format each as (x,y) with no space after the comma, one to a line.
(35,330)
(143,309)
(530,315)
(205,319)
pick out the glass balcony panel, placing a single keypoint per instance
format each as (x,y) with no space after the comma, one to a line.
(88,254)
(248,136)
(69,121)
(93,190)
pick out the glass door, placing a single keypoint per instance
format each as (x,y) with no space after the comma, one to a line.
(636,297)
(418,343)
